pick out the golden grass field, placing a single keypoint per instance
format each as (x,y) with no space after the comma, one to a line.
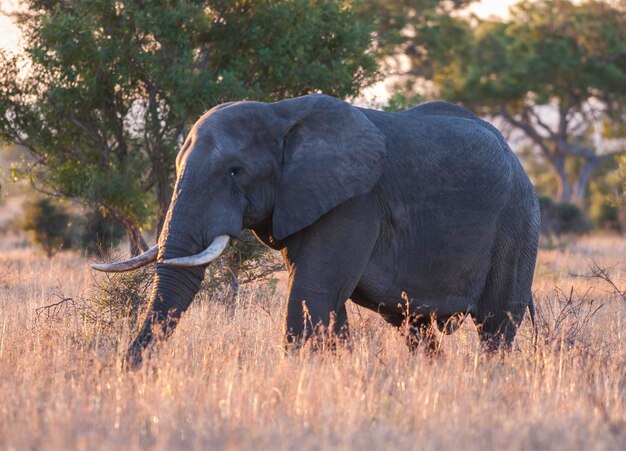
(223,381)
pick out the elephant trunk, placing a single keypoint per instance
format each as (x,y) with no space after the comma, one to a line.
(184,239)
(173,291)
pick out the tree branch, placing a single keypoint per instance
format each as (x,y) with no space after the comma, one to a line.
(531,112)
(529,131)
(137,240)
(564,111)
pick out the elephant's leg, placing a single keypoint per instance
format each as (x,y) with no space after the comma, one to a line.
(340,321)
(316,309)
(496,331)
(417,331)
(325,263)
(505,297)
(450,323)
(496,317)
(422,332)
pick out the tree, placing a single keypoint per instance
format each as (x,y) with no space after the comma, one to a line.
(607,206)
(48,223)
(106,90)
(556,71)
(403,27)
(97,233)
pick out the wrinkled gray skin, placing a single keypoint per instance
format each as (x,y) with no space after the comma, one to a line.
(364,205)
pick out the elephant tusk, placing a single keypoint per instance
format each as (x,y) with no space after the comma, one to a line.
(127,265)
(206,256)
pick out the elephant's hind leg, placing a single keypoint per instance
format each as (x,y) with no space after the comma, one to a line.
(506,294)
(498,313)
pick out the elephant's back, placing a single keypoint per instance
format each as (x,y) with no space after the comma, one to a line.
(451,184)
(439,109)
(447,159)
(448,186)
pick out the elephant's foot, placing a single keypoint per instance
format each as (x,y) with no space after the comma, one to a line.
(319,338)
(496,333)
(421,333)
(133,358)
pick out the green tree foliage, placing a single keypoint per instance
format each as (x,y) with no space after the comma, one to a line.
(402,26)
(607,201)
(556,71)
(106,90)
(618,184)
(408,33)
(49,224)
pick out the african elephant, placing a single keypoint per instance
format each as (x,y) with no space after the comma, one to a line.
(364,205)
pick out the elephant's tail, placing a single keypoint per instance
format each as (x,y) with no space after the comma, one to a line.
(532,312)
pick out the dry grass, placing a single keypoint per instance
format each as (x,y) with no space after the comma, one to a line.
(222,381)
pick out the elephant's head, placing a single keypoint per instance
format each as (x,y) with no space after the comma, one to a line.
(245,165)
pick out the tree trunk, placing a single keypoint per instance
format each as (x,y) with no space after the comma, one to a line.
(161,171)
(137,244)
(580,189)
(564,193)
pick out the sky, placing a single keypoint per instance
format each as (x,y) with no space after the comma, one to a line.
(486,8)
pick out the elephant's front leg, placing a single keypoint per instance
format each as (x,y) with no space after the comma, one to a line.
(326,262)
(418,331)
(317,317)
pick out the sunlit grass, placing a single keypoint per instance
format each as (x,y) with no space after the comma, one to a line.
(224,381)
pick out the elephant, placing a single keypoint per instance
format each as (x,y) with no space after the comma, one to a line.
(424,216)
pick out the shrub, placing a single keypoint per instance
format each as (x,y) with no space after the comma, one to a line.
(49,224)
(564,318)
(245,262)
(112,303)
(122,296)
(605,216)
(557,219)
(572,219)
(98,232)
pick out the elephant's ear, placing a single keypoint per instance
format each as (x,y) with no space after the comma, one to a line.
(332,152)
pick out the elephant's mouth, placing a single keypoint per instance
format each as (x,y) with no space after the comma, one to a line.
(205,257)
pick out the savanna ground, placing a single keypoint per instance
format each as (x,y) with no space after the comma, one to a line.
(223,380)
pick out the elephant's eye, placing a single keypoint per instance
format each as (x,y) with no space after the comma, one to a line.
(235,171)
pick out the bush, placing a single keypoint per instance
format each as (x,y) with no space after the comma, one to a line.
(557,219)
(605,216)
(122,296)
(563,320)
(49,224)
(245,262)
(98,232)
(572,219)
(112,303)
